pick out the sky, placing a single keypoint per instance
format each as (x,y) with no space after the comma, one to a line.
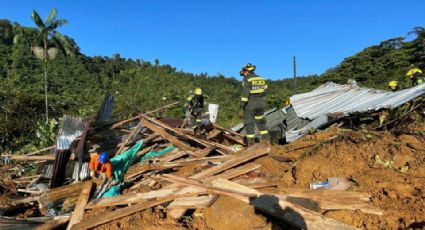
(220,36)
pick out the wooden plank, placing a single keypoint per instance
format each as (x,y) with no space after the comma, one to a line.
(283,210)
(253,152)
(41,150)
(116,125)
(186,136)
(228,130)
(160,131)
(131,198)
(336,200)
(79,209)
(119,213)
(130,137)
(53,224)
(235,172)
(234,139)
(198,184)
(173,155)
(213,134)
(204,152)
(193,202)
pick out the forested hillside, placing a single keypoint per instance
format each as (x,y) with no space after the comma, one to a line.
(78,83)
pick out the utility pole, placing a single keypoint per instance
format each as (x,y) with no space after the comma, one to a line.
(295,71)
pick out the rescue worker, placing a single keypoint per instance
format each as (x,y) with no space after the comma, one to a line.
(393,85)
(415,76)
(196,111)
(254,88)
(100,166)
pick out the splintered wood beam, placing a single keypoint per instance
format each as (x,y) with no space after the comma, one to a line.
(129,138)
(250,153)
(228,130)
(116,125)
(163,133)
(132,198)
(80,207)
(188,137)
(283,210)
(53,224)
(193,202)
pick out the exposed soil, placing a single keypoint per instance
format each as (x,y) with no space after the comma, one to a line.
(334,153)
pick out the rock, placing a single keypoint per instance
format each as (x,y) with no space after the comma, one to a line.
(230,213)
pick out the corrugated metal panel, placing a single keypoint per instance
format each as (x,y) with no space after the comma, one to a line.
(47,170)
(39,186)
(347,99)
(85,172)
(105,110)
(69,130)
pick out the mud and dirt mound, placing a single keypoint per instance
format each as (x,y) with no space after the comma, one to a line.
(388,167)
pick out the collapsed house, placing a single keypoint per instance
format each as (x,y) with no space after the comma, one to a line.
(149,155)
(328,104)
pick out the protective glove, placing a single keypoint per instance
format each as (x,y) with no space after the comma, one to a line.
(92,174)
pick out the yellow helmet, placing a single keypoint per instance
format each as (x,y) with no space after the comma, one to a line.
(198,91)
(250,67)
(393,84)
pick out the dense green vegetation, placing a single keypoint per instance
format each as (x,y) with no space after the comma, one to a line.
(77,83)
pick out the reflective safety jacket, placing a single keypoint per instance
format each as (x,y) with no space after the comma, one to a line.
(253,86)
(95,165)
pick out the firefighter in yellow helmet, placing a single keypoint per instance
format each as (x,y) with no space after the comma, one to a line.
(196,111)
(393,85)
(254,88)
(415,76)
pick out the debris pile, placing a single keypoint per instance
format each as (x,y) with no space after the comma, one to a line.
(165,177)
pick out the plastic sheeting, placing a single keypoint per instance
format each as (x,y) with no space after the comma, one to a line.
(152,154)
(346,99)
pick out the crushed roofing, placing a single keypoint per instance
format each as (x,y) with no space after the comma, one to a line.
(332,98)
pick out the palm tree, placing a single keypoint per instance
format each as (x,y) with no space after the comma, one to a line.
(48,43)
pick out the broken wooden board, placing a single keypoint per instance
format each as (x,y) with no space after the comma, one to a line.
(228,130)
(163,133)
(283,210)
(253,152)
(51,196)
(116,125)
(119,213)
(193,202)
(336,200)
(79,209)
(131,198)
(188,137)
(53,224)
(234,172)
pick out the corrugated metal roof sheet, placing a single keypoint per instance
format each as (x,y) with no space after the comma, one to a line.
(346,99)
(69,130)
(105,110)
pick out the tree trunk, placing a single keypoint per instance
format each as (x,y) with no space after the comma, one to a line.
(45,81)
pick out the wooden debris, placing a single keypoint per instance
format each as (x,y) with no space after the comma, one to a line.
(193,202)
(119,213)
(132,198)
(336,200)
(290,213)
(79,209)
(116,125)
(253,152)
(160,131)
(53,224)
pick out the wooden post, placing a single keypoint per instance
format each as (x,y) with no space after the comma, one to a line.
(80,207)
